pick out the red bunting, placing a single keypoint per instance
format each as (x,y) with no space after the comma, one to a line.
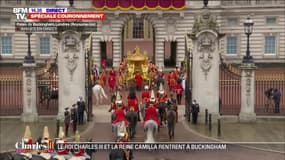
(138,4)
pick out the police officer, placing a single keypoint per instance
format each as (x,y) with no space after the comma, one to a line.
(195,110)
(80,110)
(276,97)
(66,121)
(74,118)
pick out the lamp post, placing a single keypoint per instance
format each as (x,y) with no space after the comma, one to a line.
(190,86)
(29,58)
(248,27)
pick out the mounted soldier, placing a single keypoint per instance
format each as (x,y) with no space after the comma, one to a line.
(132,118)
(162,104)
(79,154)
(172,116)
(133,102)
(26,154)
(119,116)
(145,100)
(151,120)
(63,153)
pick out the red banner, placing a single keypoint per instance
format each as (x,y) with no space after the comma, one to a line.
(138,4)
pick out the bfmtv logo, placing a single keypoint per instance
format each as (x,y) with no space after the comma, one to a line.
(21,13)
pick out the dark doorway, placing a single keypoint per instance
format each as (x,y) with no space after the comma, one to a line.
(106,50)
(170,52)
(103,50)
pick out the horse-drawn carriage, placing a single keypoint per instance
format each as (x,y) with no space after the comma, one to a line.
(138,62)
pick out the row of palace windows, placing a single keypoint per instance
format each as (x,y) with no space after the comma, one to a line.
(7,44)
(235,21)
(231,45)
(269,44)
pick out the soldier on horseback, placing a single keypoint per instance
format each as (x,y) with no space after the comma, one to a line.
(150,112)
(119,115)
(172,105)
(162,104)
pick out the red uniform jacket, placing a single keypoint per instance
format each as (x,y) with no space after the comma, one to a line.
(145,95)
(172,83)
(162,99)
(133,103)
(79,153)
(104,62)
(115,107)
(112,73)
(175,75)
(63,152)
(178,88)
(150,113)
(139,79)
(120,116)
(112,82)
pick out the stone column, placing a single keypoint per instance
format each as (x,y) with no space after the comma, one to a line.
(29,93)
(205,74)
(71,68)
(247,113)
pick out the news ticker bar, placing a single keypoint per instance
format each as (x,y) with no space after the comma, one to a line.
(141,146)
(54,26)
(178,146)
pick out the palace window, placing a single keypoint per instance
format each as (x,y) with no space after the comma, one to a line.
(231,45)
(5,21)
(232,22)
(269,44)
(44,45)
(6,45)
(271,20)
(138,28)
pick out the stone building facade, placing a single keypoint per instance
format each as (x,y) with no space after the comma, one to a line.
(163,31)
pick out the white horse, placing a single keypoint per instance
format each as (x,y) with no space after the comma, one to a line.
(99,93)
(119,130)
(151,129)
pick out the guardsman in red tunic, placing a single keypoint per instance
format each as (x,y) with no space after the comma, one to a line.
(151,111)
(104,75)
(47,141)
(62,153)
(138,79)
(112,72)
(120,114)
(27,140)
(80,153)
(179,90)
(145,94)
(168,79)
(112,83)
(133,102)
(104,62)
(172,81)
